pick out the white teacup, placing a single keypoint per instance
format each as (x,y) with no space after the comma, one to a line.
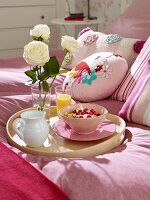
(32,127)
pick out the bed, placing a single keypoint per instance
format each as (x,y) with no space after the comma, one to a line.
(122,173)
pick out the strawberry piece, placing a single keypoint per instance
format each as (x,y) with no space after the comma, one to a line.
(85,109)
(77,113)
(89,116)
(83,113)
(94,113)
(81,116)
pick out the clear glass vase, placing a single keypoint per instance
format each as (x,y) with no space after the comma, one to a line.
(41,100)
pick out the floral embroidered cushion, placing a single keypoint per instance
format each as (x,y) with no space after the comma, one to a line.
(125,88)
(137,107)
(96,77)
(94,42)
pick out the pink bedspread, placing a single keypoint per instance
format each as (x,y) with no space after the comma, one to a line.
(19,180)
(121,174)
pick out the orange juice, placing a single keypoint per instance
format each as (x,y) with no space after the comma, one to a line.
(62,100)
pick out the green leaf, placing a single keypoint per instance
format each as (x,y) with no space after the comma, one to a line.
(51,68)
(43,76)
(31,73)
(34,81)
(62,71)
(45,86)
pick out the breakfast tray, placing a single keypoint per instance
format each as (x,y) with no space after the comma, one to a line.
(56,146)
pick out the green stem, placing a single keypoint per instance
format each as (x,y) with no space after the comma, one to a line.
(40,97)
(52,82)
(41,103)
(46,92)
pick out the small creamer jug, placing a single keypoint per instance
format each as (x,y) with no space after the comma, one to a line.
(32,127)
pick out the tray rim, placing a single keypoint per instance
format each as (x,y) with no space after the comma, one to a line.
(95,150)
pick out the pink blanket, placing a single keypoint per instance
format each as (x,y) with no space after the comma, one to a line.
(19,180)
(121,174)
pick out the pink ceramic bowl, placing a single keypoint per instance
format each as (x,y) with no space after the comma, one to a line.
(84,125)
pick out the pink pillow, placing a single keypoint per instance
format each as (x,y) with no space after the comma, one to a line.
(130,80)
(96,77)
(94,42)
(137,107)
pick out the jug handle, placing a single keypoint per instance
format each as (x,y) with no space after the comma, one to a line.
(15,126)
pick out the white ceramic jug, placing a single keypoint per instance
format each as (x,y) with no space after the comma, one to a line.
(32,127)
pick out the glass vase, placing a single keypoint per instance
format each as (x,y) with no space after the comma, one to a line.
(41,100)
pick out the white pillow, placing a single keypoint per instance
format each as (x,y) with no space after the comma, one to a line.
(96,77)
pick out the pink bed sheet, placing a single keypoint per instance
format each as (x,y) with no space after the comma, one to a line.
(121,174)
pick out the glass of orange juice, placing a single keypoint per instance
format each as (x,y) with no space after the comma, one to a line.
(63,96)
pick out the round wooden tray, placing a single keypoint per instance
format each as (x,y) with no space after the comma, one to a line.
(56,146)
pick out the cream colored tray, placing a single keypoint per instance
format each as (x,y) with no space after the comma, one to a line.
(56,146)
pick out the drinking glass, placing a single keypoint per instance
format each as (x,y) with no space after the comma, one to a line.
(63,96)
(41,100)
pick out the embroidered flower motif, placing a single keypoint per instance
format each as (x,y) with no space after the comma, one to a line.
(72,73)
(78,76)
(138,46)
(99,67)
(100,61)
(82,66)
(90,39)
(112,38)
(88,78)
(105,71)
(83,31)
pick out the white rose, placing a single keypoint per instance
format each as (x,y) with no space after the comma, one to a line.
(42,31)
(36,53)
(69,43)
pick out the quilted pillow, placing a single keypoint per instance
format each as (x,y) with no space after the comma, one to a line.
(124,90)
(96,77)
(137,107)
(94,42)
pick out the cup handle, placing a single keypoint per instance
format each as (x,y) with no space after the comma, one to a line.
(16,128)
